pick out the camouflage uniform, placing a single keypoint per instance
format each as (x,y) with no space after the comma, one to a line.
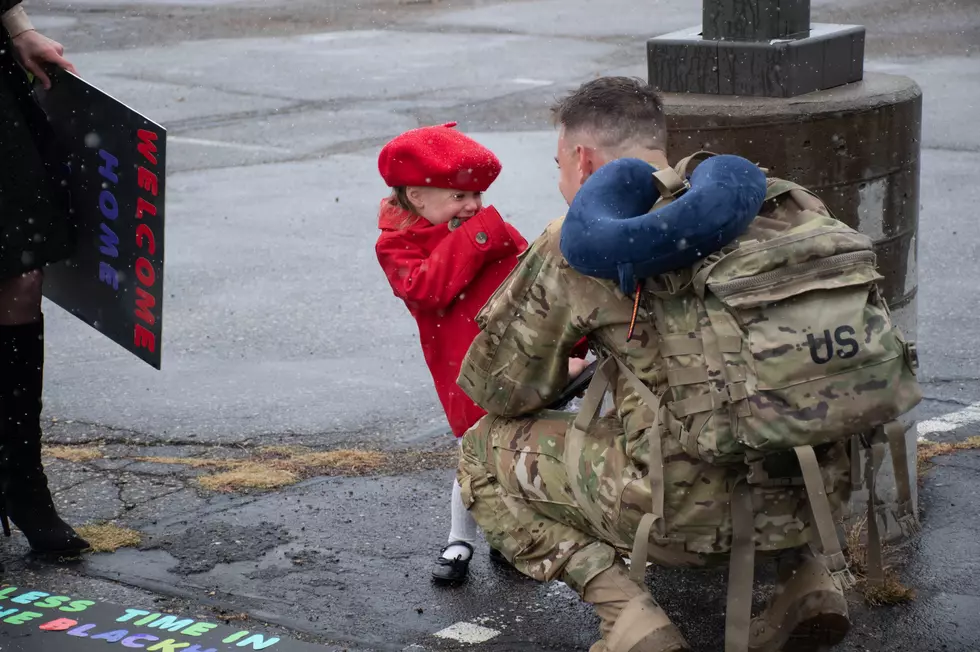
(513,470)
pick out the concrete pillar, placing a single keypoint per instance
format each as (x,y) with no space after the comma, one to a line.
(759,80)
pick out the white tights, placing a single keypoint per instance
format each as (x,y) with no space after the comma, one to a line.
(463,526)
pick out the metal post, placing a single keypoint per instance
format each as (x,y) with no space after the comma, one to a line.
(755,20)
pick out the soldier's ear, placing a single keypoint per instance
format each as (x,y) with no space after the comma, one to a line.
(585,159)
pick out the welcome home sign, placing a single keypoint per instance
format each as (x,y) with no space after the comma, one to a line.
(115,162)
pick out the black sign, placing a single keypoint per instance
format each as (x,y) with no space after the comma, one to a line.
(116,167)
(38,621)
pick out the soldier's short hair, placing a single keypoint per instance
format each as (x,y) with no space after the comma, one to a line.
(616,111)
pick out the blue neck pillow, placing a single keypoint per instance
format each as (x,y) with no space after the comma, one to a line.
(610,232)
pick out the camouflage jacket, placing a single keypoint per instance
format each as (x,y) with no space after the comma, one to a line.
(519,363)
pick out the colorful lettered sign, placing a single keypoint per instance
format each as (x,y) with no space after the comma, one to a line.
(115,170)
(39,621)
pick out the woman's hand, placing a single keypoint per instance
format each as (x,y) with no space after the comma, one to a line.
(33,50)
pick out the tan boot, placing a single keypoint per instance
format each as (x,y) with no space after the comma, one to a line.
(631,620)
(807,612)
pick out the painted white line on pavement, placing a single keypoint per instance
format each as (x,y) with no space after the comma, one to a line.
(951,421)
(467,633)
(221,143)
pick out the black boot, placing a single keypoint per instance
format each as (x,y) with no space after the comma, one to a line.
(26,498)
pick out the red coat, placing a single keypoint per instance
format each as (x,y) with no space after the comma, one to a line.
(445,277)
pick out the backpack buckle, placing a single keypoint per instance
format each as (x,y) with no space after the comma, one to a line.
(683,189)
(844,579)
(912,355)
(909,524)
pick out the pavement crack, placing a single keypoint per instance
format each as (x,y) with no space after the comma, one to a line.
(950,463)
(176,490)
(120,488)
(462,28)
(69,487)
(347,147)
(56,423)
(948,401)
(945,380)
(127,441)
(213,87)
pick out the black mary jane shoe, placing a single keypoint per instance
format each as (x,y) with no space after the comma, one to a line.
(452,571)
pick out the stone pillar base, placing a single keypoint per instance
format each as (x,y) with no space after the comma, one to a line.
(684,62)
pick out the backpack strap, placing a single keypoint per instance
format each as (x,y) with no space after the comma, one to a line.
(825,533)
(575,444)
(686,165)
(905,513)
(893,435)
(776,188)
(741,569)
(856,444)
(670,184)
(779,187)
(876,565)
(653,521)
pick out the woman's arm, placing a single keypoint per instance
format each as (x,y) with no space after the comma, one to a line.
(32,50)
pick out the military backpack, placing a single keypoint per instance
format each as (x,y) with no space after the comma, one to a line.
(778,343)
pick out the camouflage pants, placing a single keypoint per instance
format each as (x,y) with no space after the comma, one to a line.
(514,481)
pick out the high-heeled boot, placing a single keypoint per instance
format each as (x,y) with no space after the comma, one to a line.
(26,499)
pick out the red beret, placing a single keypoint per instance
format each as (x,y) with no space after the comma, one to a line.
(440,157)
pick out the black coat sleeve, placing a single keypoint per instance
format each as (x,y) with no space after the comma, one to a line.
(6,5)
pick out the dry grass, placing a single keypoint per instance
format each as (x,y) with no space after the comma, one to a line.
(892,591)
(356,461)
(248,475)
(272,467)
(74,453)
(106,537)
(283,451)
(229,617)
(193,462)
(927,450)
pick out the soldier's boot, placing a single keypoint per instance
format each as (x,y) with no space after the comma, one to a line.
(25,497)
(807,612)
(631,620)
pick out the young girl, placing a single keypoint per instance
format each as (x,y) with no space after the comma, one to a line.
(444,254)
